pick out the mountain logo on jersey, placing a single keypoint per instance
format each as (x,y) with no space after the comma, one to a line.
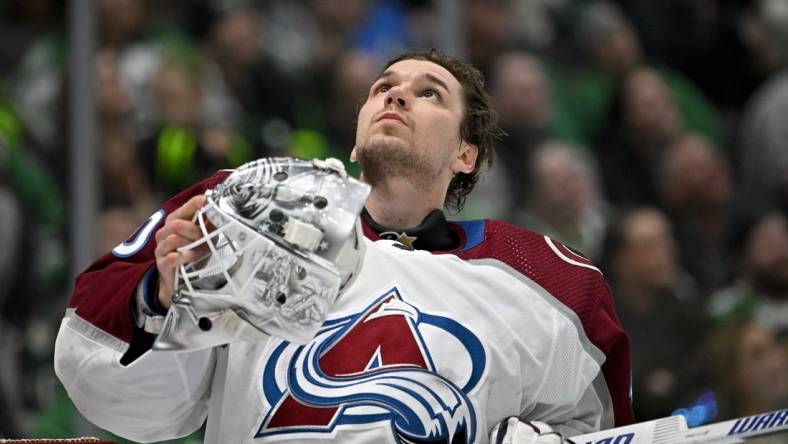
(380,366)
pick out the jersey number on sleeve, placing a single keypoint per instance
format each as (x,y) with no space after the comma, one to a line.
(140,238)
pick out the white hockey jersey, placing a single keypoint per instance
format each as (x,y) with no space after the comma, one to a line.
(421,348)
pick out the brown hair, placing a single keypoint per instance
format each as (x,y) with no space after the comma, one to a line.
(479,125)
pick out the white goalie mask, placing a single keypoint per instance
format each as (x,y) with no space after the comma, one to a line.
(280,241)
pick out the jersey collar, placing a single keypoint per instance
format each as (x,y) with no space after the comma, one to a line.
(432,234)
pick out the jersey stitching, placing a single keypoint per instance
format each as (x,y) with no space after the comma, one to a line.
(91,332)
(567,258)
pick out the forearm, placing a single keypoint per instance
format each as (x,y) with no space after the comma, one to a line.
(160,395)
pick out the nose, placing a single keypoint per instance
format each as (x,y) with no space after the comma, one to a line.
(397,97)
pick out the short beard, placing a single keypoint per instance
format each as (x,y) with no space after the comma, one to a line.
(381,160)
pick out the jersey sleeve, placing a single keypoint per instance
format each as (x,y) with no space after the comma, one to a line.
(104,360)
(606,332)
(103,292)
(567,398)
(577,285)
(160,395)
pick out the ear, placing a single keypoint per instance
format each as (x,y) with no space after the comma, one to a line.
(466,159)
(353,155)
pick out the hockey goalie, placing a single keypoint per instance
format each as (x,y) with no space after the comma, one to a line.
(286,324)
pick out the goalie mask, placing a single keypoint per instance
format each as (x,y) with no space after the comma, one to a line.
(280,241)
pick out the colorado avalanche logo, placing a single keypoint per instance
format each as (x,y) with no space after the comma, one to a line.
(376,367)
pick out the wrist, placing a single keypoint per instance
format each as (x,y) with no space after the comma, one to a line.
(147,313)
(154,295)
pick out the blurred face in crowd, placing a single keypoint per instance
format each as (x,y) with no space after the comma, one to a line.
(761,369)
(409,127)
(120,19)
(177,96)
(235,36)
(649,107)
(563,185)
(353,73)
(111,98)
(647,256)
(520,91)
(695,175)
(489,24)
(339,14)
(766,255)
(618,50)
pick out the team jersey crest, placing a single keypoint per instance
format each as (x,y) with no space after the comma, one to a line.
(379,366)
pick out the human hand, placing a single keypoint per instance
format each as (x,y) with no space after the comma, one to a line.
(514,431)
(178,230)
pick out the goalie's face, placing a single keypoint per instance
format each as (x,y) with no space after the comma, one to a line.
(409,125)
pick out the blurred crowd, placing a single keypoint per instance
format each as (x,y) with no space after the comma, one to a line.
(650,135)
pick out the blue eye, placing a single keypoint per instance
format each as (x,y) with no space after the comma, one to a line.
(429,93)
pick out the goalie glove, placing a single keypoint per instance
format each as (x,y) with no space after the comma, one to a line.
(514,431)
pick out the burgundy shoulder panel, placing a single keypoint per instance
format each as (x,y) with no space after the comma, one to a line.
(103,292)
